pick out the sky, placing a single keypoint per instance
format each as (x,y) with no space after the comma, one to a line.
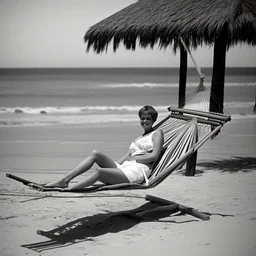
(49,33)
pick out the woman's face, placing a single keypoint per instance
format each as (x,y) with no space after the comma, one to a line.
(146,121)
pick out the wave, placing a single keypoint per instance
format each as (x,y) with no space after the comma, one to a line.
(73,110)
(243,116)
(239,104)
(89,120)
(86,110)
(172,85)
(139,85)
(70,120)
(48,141)
(94,115)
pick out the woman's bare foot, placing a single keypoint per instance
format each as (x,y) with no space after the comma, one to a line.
(57,184)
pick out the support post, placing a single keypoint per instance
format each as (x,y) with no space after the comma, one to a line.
(191,165)
(182,76)
(218,75)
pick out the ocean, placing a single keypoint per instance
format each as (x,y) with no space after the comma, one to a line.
(32,97)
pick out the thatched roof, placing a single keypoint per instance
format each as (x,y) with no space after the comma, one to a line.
(162,22)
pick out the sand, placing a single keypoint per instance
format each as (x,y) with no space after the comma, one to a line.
(95,223)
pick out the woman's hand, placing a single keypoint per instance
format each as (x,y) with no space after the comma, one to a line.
(130,158)
(136,158)
(125,158)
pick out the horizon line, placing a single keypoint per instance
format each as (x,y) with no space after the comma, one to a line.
(117,67)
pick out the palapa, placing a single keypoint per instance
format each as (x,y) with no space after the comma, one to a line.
(162,22)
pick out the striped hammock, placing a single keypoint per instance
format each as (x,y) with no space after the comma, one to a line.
(184,134)
(185,131)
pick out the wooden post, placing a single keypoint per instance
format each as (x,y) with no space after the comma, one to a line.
(183,76)
(191,163)
(218,75)
(182,208)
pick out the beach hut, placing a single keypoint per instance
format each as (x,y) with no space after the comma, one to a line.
(146,23)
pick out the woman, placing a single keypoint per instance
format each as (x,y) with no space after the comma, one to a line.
(134,167)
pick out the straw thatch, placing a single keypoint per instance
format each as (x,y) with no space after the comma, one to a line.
(162,22)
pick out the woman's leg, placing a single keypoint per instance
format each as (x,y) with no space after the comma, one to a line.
(96,157)
(105,175)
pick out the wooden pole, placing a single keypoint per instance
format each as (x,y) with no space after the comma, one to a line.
(199,120)
(201,113)
(218,75)
(25,182)
(182,208)
(183,76)
(191,165)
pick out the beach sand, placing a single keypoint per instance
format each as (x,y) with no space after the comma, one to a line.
(95,223)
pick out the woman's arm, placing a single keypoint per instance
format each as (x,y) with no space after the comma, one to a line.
(125,157)
(158,140)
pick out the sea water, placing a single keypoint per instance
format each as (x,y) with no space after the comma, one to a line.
(31,97)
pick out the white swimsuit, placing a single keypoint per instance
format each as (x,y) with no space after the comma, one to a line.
(134,171)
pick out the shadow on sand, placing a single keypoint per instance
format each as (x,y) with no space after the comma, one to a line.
(234,164)
(88,228)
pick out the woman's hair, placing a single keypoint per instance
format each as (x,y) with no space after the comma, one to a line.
(148,110)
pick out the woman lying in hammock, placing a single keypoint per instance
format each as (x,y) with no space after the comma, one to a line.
(134,167)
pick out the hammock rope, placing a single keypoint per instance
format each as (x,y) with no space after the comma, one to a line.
(201,75)
(199,99)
